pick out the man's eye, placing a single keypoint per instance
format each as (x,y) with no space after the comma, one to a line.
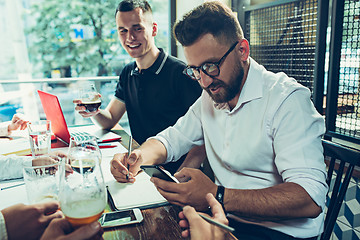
(209,67)
(122,31)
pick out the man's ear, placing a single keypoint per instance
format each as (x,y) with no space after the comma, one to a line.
(244,49)
(154,29)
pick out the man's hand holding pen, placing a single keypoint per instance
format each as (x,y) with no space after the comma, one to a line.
(125,166)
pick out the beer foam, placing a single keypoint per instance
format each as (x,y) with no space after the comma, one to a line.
(83,208)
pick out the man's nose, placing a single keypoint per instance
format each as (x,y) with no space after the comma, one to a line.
(205,80)
(131,36)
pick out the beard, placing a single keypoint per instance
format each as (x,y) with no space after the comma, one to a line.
(229,90)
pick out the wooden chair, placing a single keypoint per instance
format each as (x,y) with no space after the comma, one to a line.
(343,160)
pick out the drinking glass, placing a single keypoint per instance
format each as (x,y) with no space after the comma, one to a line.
(90,98)
(82,193)
(42,182)
(39,137)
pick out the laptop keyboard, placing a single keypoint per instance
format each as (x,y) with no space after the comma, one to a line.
(81,136)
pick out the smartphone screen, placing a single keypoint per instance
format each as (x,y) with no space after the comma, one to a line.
(113,219)
(156,171)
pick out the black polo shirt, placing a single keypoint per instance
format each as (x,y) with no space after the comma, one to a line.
(156,97)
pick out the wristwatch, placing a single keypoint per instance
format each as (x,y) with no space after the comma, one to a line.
(220,196)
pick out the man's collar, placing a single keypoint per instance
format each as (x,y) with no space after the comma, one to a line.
(157,65)
(251,90)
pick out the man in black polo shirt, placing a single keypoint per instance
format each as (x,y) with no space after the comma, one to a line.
(152,89)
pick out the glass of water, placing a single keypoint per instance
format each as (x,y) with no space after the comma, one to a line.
(39,137)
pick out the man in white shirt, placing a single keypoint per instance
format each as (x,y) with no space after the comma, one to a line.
(261,132)
(11,166)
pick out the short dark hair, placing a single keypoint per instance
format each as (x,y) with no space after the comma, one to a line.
(129,5)
(210,17)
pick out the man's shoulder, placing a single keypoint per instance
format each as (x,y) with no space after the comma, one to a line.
(174,61)
(129,66)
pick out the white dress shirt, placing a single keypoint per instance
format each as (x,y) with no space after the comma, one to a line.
(273,135)
(11,166)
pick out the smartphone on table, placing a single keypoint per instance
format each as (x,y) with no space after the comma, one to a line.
(159,172)
(120,218)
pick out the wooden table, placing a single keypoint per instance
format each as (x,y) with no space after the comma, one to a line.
(159,223)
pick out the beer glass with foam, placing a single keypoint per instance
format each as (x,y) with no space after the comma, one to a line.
(90,98)
(82,193)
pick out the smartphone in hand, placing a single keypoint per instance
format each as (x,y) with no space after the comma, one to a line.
(157,171)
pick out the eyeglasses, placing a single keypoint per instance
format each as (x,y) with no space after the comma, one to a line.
(210,69)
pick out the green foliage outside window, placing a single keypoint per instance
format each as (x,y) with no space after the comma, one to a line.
(79,37)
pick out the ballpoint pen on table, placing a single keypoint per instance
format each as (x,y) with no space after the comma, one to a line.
(129,152)
(12,186)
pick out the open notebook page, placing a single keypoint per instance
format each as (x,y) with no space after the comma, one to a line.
(141,194)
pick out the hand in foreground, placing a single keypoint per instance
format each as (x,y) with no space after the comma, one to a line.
(62,229)
(17,122)
(119,163)
(197,228)
(192,192)
(82,110)
(52,158)
(29,221)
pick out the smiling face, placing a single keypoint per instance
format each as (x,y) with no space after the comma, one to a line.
(136,32)
(227,85)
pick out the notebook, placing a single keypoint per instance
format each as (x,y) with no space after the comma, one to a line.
(140,194)
(54,113)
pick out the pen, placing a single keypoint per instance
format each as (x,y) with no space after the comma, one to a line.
(107,145)
(129,152)
(223,226)
(16,185)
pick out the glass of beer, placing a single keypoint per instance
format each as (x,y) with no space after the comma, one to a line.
(82,193)
(90,98)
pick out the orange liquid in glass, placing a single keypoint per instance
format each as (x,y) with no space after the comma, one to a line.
(78,222)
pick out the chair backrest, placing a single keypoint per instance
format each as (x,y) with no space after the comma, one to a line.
(342,159)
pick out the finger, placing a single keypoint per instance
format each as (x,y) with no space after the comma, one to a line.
(23,125)
(185,233)
(15,118)
(181,215)
(57,214)
(215,206)
(173,198)
(167,185)
(49,207)
(58,227)
(77,101)
(68,168)
(59,154)
(118,162)
(184,223)
(118,170)
(216,209)
(190,213)
(85,232)
(43,161)
(80,108)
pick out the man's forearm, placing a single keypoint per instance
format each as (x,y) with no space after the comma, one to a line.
(104,120)
(153,152)
(281,202)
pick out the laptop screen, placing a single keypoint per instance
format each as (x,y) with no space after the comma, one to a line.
(54,113)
